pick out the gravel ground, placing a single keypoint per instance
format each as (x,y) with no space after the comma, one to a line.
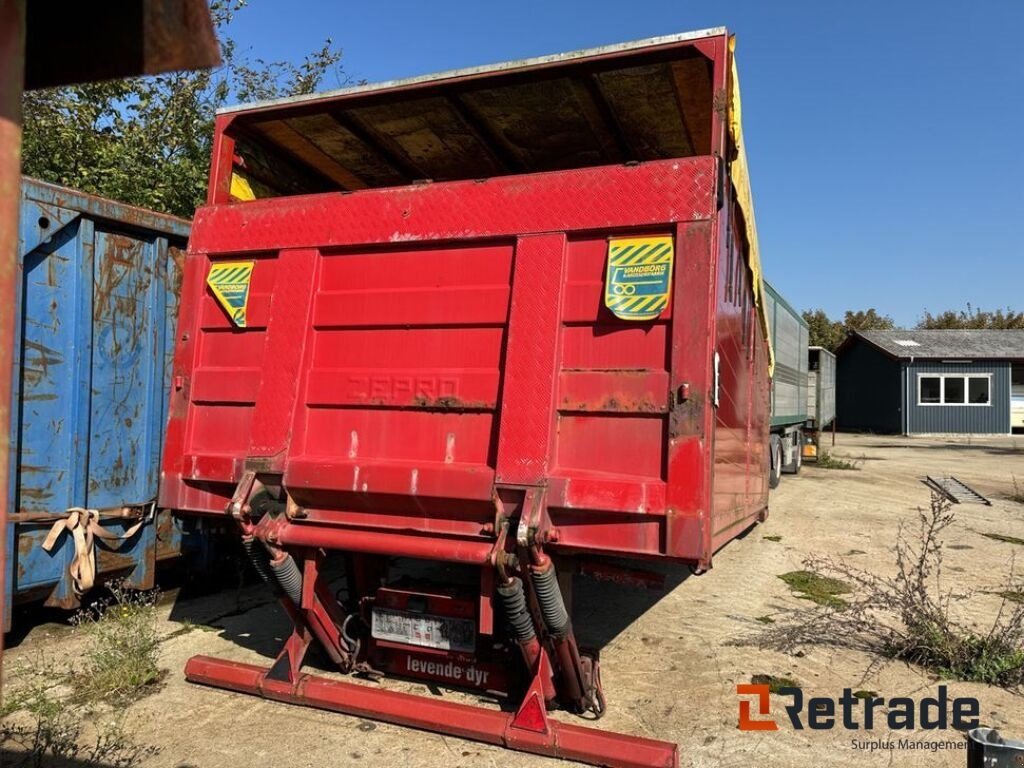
(668,667)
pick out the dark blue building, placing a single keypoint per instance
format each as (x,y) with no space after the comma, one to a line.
(931,382)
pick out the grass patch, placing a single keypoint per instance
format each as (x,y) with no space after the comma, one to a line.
(72,712)
(774,683)
(1004,538)
(827,461)
(120,659)
(909,616)
(969,656)
(764,619)
(45,721)
(772,538)
(864,694)
(823,590)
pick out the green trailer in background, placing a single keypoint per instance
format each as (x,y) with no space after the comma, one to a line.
(790,338)
(821,399)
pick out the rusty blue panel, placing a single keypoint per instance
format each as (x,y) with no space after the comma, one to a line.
(95,324)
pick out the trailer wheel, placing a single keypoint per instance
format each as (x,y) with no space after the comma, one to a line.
(793,468)
(775,467)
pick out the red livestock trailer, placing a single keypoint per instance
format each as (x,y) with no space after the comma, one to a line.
(504,318)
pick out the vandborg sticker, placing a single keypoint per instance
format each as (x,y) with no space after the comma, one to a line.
(639,276)
(229,281)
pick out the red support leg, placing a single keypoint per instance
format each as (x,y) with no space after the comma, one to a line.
(321,612)
(523,731)
(287,667)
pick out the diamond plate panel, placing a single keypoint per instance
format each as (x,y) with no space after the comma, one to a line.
(527,407)
(655,193)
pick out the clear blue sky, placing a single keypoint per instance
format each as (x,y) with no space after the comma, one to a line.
(886,139)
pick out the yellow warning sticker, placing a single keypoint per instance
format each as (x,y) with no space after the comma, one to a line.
(229,281)
(639,276)
(241,189)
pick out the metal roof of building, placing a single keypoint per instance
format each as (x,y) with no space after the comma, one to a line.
(948,344)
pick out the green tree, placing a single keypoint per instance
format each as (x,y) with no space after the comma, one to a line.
(828,333)
(824,332)
(867,320)
(147,141)
(973,318)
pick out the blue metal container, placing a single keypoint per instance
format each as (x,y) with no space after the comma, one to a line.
(95,315)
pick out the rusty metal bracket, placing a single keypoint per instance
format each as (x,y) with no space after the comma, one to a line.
(238,507)
(292,510)
(503,560)
(533,518)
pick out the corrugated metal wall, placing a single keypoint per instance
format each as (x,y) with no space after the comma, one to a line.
(965,419)
(789,341)
(95,311)
(868,390)
(821,395)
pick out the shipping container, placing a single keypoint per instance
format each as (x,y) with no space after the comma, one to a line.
(500,318)
(821,399)
(790,335)
(821,387)
(96,304)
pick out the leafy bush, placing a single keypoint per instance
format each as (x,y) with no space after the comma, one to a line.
(147,140)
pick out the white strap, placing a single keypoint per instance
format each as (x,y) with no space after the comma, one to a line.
(84,527)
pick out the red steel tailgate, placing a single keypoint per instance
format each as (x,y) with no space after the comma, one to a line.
(409,352)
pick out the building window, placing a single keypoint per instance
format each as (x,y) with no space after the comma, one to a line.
(978,390)
(954,389)
(931,390)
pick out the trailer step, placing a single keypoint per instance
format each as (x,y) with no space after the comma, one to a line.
(956,491)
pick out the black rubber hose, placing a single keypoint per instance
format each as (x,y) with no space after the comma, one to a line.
(549,598)
(513,601)
(289,577)
(259,558)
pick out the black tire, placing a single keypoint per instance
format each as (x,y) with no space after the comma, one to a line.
(774,461)
(793,468)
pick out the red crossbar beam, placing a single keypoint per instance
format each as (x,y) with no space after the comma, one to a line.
(378,543)
(556,739)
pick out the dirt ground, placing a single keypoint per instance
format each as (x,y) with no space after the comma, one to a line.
(668,670)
